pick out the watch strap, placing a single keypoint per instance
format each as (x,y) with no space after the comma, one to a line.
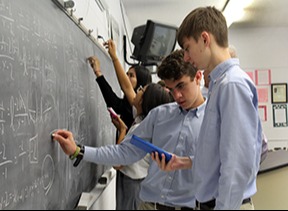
(80,155)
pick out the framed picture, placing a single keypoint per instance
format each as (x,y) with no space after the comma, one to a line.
(279,93)
(280,115)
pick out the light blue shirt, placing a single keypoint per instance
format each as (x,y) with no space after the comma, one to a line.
(172,129)
(229,146)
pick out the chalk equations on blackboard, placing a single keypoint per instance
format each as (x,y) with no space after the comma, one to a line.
(46,84)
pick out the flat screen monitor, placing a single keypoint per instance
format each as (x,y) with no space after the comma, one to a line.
(153,41)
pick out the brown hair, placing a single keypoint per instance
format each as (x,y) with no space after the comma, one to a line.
(173,67)
(207,19)
(153,96)
(143,75)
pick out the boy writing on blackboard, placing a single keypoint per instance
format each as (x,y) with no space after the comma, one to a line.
(173,127)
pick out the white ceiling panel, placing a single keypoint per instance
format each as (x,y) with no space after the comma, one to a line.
(261,13)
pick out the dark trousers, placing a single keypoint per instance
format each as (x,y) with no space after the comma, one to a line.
(127,192)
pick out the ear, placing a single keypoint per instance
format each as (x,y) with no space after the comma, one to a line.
(198,77)
(205,37)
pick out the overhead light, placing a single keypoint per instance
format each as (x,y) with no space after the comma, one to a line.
(234,10)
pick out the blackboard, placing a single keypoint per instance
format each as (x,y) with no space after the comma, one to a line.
(45,84)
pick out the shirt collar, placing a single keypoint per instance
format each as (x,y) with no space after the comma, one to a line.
(200,109)
(196,111)
(138,119)
(222,68)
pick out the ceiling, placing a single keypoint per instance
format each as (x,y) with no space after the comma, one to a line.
(261,13)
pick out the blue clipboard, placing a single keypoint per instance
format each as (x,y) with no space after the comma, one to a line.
(149,148)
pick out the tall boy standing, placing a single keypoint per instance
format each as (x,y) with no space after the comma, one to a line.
(229,146)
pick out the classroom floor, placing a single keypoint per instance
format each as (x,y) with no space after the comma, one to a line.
(272,191)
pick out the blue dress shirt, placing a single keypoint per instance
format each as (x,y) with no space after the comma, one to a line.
(171,128)
(229,146)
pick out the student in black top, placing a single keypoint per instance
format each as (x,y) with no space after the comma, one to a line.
(136,76)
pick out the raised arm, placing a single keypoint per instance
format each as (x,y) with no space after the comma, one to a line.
(121,127)
(111,99)
(95,64)
(122,77)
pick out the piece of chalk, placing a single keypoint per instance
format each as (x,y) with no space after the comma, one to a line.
(52,133)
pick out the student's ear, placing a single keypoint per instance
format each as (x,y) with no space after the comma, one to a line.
(198,77)
(205,37)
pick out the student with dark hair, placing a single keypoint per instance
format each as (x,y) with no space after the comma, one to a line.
(173,127)
(129,82)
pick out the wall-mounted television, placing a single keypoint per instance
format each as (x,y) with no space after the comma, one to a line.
(153,41)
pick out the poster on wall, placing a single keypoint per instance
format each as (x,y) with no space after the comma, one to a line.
(262,110)
(263,77)
(262,95)
(251,75)
(279,92)
(280,115)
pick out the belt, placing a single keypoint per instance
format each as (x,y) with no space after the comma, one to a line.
(209,205)
(165,207)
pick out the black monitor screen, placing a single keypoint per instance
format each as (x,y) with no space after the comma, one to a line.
(153,41)
(163,41)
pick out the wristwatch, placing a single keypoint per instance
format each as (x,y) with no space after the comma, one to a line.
(80,155)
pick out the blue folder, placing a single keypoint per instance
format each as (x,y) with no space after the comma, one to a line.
(149,148)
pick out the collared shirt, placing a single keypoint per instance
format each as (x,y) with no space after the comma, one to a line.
(229,146)
(172,129)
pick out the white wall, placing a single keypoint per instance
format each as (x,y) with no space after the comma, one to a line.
(265,48)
